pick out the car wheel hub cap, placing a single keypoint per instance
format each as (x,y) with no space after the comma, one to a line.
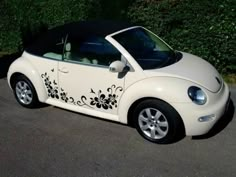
(23,92)
(153,123)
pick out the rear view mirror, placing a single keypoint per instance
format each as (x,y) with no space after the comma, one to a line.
(117,67)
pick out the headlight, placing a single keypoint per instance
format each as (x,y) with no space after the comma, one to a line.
(197,95)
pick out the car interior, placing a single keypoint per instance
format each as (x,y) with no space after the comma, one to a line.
(92,50)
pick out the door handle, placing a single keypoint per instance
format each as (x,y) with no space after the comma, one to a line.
(64,70)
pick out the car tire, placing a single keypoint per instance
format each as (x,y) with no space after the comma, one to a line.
(157,121)
(24,92)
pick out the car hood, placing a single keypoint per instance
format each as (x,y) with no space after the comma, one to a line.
(191,68)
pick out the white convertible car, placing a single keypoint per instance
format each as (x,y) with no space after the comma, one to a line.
(121,73)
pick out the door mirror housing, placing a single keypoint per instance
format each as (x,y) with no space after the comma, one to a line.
(117,67)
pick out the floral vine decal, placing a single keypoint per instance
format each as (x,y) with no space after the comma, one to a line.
(81,102)
(100,100)
(64,96)
(52,88)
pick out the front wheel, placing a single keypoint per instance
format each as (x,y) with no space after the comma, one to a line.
(24,92)
(157,121)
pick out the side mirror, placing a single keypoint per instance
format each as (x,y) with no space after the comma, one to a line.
(117,67)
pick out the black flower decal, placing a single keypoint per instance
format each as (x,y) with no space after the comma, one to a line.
(64,97)
(52,89)
(53,93)
(99,101)
(47,82)
(112,99)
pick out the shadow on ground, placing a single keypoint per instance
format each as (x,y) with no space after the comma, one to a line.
(5,62)
(221,124)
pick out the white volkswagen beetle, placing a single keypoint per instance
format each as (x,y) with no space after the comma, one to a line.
(121,73)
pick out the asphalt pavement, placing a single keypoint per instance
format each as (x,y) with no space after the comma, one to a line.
(52,142)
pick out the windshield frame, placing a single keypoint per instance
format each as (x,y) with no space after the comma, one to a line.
(170,49)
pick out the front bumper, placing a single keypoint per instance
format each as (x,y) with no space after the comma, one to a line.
(212,111)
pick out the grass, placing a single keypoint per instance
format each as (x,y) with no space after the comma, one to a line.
(2,54)
(230,78)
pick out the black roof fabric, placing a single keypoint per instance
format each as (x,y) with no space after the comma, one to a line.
(78,30)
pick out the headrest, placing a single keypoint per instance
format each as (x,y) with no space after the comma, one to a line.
(68,47)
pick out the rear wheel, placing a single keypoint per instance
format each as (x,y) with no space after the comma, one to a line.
(157,121)
(24,92)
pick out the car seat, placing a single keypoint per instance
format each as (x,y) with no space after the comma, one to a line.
(67,54)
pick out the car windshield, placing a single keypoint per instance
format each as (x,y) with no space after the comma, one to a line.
(147,49)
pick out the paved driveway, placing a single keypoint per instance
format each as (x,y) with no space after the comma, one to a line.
(50,142)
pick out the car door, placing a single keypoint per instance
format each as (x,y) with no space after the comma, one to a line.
(84,77)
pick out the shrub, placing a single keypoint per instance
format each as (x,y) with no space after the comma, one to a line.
(23,20)
(205,28)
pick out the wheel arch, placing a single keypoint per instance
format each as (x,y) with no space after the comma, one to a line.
(130,120)
(132,107)
(13,78)
(23,67)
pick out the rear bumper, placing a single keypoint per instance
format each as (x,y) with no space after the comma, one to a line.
(198,120)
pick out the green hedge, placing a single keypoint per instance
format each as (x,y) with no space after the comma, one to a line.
(22,18)
(202,27)
(205,28)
